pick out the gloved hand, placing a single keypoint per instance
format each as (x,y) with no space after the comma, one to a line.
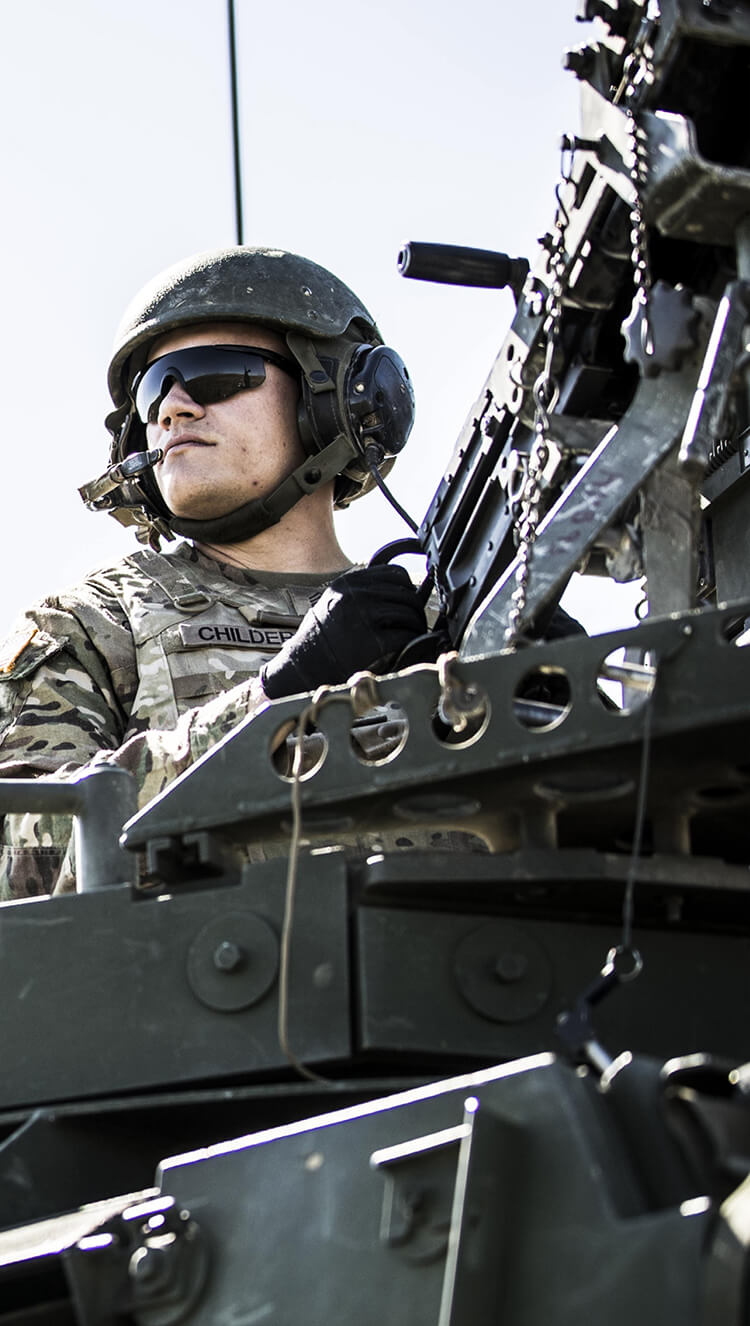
(362,621)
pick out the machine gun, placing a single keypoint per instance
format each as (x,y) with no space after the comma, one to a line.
(611,433)
(282,1004)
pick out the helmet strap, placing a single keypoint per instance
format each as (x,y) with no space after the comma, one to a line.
(317,376)
(263,512)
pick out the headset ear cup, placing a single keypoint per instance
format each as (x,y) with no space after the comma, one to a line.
(379,400)
(379,409)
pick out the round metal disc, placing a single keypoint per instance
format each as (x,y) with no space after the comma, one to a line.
(232,962)
(502,972)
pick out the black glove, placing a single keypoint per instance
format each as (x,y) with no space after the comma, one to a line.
(362,621)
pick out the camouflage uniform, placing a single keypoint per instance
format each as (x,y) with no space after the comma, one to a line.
(145,665)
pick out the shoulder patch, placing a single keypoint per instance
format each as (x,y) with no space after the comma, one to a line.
(24,650)
(14,646)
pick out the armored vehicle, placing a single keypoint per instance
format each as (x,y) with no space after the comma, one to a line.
(506,1083)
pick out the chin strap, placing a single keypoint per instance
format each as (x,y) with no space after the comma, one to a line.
(263,512)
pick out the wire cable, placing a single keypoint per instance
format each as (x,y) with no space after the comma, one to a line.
(628,902)
(372,465)
(307,716)
(362,696)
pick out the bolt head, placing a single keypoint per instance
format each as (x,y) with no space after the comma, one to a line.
(227,956)
(510,967)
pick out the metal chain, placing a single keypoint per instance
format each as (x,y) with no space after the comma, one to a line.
(638,71)
(545,393)
(526,527)
(638,234)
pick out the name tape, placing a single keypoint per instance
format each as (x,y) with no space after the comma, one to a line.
(197,636)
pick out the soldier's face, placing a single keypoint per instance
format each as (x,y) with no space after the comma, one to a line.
(217,457)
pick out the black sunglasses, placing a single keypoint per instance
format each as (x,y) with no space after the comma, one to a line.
(208,373)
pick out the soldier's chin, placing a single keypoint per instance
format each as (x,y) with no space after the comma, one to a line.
(204,506)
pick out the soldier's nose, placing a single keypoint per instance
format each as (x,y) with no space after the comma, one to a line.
(178,404)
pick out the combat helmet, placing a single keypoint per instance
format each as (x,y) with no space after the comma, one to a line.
(356,402)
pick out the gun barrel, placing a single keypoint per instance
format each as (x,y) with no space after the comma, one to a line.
(453,264)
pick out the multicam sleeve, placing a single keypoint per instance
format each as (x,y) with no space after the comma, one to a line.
(60,713)
(57,708)
(156,757)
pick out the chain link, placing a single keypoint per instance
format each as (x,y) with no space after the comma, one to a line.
(638,234)
(638,72)
(545,393)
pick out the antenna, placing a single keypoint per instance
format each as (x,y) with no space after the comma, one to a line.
(235,123)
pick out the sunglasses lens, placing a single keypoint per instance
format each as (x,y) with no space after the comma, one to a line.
(208,374)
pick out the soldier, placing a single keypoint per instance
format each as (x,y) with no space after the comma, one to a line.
(261,386)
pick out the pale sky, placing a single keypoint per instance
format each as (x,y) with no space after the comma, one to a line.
(362,126)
